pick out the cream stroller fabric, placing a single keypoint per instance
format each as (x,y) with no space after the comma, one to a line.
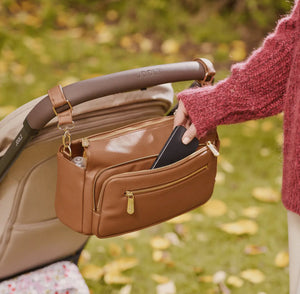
(30,234)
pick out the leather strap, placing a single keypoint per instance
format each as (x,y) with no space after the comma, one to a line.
(61,106)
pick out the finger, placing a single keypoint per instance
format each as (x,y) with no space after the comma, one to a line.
(189,134)
(180,117)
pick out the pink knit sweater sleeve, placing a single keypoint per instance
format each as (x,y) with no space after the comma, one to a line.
(255,88)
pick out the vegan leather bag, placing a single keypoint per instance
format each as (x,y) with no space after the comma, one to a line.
(113,191)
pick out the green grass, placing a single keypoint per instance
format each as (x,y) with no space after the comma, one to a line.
(61,44)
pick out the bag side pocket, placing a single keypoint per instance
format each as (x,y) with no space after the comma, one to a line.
(69,193)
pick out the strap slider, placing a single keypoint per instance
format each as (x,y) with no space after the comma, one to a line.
(55,109)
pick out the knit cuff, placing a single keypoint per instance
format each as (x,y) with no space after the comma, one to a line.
(200,104)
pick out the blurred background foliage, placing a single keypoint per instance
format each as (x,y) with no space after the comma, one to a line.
(48,41)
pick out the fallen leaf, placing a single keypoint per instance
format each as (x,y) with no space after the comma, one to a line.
(170,46)
(117,278)
(254,276)
(252,211)
(168,288)
(126,289)
(255,249)
(214,208)
(183,218)
(130,236)
(219,277)
(160,279)
(279,139)
(238,51)
(173,238)
(129,248)
(205,279)
(85,257)
(198,270)
(220,178)
(264,152)
(121,264)
(267,126)
(282,259)
(162,256)
(114,249)
(235,281)
(226,165)
(240,227)
(266,194)
(160,243)
(92,272)
(181,230)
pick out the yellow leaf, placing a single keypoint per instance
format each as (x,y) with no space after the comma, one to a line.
(160,279)
(206,279)
(235,281)
(114,249)
(226,165)
(214,208)
(121,264)
(220,178)
(167,288)
(181,218)
(125,290)
(226,142)
(170,46)
(282,259)
(162,256)
(267,126)
(238,51)
(266,194)
(254,276)
(130,236)
(251,212)
(117,278)
(255,249)
(160,243)
(240,227)
(264,152)
(112,15)
(279,139)
(85,257)
(92,272)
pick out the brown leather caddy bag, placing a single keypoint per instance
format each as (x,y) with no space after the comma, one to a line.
(116,192)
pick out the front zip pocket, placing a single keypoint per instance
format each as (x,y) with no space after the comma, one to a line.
(130,194)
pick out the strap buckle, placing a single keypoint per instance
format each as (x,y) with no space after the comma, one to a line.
(209,71)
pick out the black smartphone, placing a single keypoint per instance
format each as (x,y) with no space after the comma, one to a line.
(174,149)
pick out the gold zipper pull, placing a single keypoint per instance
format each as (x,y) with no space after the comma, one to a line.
(85,142)
(212,148)
(130,202)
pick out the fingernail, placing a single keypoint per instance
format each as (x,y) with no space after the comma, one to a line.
(185,140)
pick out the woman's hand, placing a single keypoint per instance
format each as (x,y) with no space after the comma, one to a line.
(181,117)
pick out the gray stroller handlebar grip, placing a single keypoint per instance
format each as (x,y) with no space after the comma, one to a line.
(114,83)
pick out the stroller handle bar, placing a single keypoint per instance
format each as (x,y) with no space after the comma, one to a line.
(129,80)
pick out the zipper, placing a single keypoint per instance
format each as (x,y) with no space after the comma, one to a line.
(99,173)
(212,148)
(130,194)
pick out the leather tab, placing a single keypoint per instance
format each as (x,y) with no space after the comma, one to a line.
(59,100)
